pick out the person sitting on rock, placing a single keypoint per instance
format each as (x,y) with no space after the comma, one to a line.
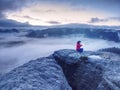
(78,46)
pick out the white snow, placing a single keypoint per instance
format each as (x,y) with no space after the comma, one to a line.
(94,57)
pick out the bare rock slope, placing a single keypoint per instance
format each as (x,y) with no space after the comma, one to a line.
(66,70)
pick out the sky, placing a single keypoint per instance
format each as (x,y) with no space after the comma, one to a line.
(56,12)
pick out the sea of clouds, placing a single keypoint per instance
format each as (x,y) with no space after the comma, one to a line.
(16,55)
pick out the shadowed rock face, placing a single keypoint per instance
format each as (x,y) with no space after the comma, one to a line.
(92,74)
(100,71)
(81,75)
(69,63)
(88,76)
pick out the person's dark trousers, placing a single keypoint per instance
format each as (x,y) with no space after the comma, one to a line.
(80,50)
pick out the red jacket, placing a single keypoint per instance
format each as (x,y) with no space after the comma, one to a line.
(78,46)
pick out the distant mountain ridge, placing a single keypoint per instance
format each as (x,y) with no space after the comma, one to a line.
(70,25)
(90,31)
(107,34)
(80,25)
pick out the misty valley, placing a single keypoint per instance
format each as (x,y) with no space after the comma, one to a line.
(44,59)
(20,46)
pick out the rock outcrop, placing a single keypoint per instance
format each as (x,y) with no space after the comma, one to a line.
(66,69)
(40,74)
(79,73)
(99,72)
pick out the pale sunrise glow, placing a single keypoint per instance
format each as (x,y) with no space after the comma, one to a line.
(43,14)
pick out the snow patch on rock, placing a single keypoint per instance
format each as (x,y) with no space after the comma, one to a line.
(96,57)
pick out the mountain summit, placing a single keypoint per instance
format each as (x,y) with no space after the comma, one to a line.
(66,70)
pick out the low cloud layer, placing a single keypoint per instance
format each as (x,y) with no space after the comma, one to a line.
(97,20)
(14,56)
(53,22)
(12,23)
